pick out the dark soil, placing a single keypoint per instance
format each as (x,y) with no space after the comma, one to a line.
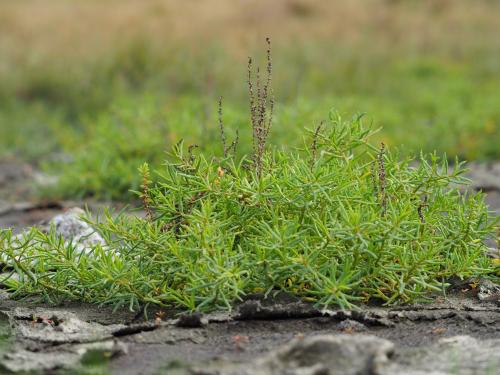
(153,346)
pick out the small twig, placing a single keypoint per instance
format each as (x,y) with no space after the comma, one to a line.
(221,128)
(179,218)
(381,179)
(234,144)
(374,178)
(190,152)
(146,199)
(420,209)
(251,96)
(314,145)
(270,119)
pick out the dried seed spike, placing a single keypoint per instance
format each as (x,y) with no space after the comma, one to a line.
(270,119)
(190,152)
(266,87)
(234,144)
(314,145)
(381,178)
(146,199)
(269,59)
(261,111)
(221,128)
(259,97)
(251,95)
(420,209)
(374,178)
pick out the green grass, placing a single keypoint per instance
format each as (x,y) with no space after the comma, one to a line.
(95,124)
(336,223)
(92,114)
(421,104)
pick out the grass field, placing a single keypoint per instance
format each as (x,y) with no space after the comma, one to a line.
(89,90)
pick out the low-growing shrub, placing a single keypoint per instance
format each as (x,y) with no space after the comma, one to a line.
(337,223)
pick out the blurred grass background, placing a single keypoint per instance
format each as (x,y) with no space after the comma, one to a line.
(90,89)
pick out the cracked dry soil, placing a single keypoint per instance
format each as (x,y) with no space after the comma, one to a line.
(456,334)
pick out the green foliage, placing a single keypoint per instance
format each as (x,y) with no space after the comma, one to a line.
(105,166)
(136,130)
(30,131)
(448,109)
(133,104)
(336,223)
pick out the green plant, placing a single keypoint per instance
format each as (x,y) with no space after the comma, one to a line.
(338,223)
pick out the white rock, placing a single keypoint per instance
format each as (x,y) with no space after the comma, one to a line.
(72,227)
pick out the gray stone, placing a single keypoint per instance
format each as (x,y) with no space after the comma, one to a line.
(67,356)
(373,317)
(484,176)
(280,306)
(488,291)
(71,225)
(58,327)
(170,335)
(493,253)
(462,355)
(339,354)
(48,339)
(320,355)
(350,326)
(191,320)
